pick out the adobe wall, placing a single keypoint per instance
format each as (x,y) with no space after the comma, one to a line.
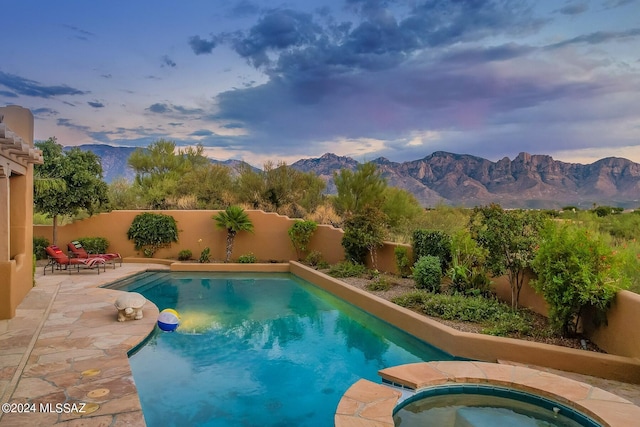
(621,334)
(197,230)
(17,157)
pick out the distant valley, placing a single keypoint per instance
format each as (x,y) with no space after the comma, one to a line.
(527,181)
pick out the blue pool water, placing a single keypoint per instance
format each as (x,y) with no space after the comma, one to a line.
(259,350)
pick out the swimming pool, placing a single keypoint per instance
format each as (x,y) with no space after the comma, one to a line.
(258,350)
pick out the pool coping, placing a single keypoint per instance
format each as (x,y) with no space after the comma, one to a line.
(369,404)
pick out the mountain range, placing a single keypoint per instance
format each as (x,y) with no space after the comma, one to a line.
(527,181)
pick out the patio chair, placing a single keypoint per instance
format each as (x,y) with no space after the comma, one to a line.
(58,259)
(78,251)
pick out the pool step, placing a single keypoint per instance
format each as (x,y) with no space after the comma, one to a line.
(145,279)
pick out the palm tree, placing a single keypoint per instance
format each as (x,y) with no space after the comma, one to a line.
(234,219)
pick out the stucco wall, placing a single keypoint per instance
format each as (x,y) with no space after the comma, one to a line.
(269,241)
(16,260)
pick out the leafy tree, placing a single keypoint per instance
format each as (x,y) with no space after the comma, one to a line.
(432,242)
(210,184)
(122,195)
(160,167)
(300,234)
(233,219)
(576,269)
(364,232)
(68,182)
(280,188)
(607,210)
(359,189)
(250,187)
(510,238)
(401,207)
(151,231)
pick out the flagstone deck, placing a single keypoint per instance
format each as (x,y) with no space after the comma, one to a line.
(65,347)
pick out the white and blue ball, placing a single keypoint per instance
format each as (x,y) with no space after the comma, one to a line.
(168,320)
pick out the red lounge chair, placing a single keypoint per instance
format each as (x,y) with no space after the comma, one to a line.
(78,251)
(57,258)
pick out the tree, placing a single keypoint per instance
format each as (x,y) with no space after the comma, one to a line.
(210,184)
(356,190)
(68,182)
(510,237)
(401,208)
(160,167)
(576,269)
(364,232)
(233,219)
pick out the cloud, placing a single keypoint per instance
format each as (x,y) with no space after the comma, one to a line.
(202,132)
(159,108)
(243,9)
(612,4)
(8,94)
(44,112)
(599,37)
(69,124)
(80,34)
(28,87)
(574,9)
(201,46)
(167,62)
(163,108)
(96,104)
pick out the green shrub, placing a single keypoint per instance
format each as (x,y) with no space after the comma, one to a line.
(347,269)
(205,256)
(427,273)
(364,233)
(496,317)
(150,232)
(576,271)
(39,243)
(184,255)
(380,284)
(247,259)
(94,245)
(403,264)
(300,234)
(314,259)
(434,243)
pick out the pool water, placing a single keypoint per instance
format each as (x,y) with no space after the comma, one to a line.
(259,350)
(485,406)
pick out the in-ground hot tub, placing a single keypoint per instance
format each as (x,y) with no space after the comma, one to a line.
(369,404)
(474,405)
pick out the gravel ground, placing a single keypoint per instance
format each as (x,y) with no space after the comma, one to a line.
(400,286)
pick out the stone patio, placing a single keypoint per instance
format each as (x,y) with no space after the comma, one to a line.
(65,346)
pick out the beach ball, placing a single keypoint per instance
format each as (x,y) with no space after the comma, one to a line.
(168,320)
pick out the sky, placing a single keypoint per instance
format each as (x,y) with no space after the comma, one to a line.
(261,80)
